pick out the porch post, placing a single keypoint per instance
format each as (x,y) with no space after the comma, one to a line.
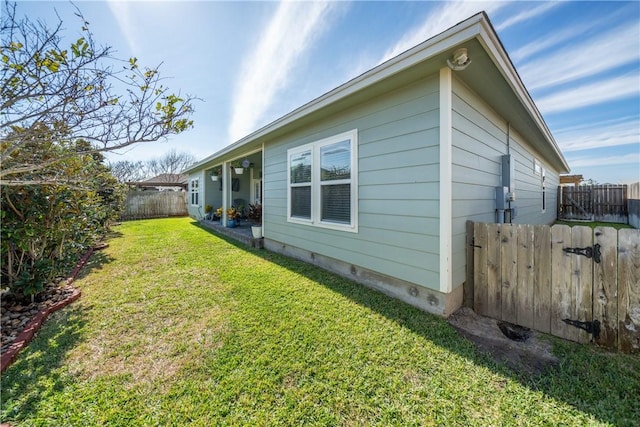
(226,185)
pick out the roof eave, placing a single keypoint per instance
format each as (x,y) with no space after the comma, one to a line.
(465,30)
(493,46)
(477,26)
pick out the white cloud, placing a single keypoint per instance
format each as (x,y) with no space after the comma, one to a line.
(560,35)
(442,18)
(554,39)
(616,88)
(624,159)
(527,14)
(122,13)
(608,133)
(578,60)
(289,35)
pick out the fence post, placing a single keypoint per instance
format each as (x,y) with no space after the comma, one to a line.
(468,283)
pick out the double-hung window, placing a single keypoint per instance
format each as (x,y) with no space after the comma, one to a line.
(322,187)
(195,192)
(538,169)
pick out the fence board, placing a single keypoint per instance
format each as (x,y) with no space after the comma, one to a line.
(525,276)
(509,272)
(542,278)
(468,282)
(633,204)
(154,204)
(581,282)
(605,286)
(494,279)
(561,291)
(480,295)
(525,271)
(629,290)
(593,202)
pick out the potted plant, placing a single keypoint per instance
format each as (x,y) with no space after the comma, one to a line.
(208,209)
(232,216)
(216,174)
(217,216)
(255,215)
(237,167)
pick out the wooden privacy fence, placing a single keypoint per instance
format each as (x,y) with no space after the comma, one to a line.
(633,196)
(606,203)
(576,283)
(154,204)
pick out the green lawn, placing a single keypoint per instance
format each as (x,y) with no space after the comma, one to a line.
(177,326)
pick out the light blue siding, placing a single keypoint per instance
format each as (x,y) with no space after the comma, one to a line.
(479,139)
(398,177)
(529,185)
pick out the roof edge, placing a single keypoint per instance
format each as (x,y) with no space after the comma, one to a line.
(477,26)
(466,29)
(501,58)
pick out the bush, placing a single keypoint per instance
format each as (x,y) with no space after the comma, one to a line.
(45,228)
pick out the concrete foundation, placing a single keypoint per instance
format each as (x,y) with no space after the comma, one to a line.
(426,299)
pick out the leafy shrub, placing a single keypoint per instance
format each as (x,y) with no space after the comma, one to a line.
(46,227)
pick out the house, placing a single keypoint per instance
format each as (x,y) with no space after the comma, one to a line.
(376,179)
(162,182)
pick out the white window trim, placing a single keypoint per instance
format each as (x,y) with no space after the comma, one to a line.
(539,170)
(543,188)
(537,167)
(192,192)
(316,204)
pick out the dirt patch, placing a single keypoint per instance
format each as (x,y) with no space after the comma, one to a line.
(531,356)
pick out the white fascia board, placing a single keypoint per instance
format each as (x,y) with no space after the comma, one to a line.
(492,45)
(444,41)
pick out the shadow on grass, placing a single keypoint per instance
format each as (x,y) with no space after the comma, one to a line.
(95,262)
(40,363)
(40,360)
(603,384)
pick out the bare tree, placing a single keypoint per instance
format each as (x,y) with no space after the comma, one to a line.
(127,171)
(172,163)
(57,94)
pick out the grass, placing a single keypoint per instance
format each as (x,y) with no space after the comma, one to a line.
(177,325)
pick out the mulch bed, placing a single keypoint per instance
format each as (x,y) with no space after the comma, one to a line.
(20,319)
(15,313)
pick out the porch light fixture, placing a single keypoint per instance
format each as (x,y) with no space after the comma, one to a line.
(459,60)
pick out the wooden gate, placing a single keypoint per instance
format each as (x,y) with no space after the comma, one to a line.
(576,283)
(606,203)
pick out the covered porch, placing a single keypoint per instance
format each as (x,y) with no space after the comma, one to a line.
(234,183)
(241,233)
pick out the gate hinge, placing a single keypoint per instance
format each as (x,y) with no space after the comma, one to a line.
(592,328)
(589,252)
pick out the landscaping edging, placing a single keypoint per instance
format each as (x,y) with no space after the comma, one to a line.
(27,334)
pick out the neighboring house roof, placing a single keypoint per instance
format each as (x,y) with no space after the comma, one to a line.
(492,75)
(571,179)
(164,180)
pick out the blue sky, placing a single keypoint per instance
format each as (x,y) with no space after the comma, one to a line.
(253,62)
